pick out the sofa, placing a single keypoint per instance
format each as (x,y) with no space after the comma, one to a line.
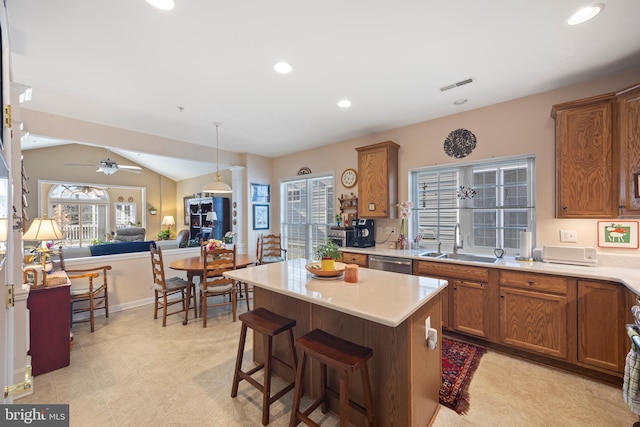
(108,249)
(129,234)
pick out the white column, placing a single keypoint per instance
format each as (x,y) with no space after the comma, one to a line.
(238,217)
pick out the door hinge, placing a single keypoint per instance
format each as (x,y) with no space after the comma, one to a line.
(20,387)
(7,115)
(9,293)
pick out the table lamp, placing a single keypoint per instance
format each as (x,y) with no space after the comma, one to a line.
(43,229)
(168,220)
(212,216)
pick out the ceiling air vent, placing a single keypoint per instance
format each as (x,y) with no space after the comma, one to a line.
(454,85)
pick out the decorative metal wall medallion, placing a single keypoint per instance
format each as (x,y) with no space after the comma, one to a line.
(304,171)
(460,143)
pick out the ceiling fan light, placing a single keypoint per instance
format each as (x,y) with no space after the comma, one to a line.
(107,170)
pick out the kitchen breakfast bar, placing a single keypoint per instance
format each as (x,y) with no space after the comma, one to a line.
(384,311)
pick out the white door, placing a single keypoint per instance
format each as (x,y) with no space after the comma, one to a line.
(6,223)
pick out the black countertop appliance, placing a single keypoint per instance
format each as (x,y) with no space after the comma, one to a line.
(363,233)
(341,236)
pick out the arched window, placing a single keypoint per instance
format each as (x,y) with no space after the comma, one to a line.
(82,212)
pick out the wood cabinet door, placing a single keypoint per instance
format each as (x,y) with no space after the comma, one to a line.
(355,258)
(586,173)
(602,313)
(378,180)
(534,321)
(470,311)
(629,127)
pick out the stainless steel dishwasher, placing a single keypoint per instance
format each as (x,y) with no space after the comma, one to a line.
(389,263)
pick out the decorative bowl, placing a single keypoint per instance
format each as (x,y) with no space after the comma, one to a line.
(316,269)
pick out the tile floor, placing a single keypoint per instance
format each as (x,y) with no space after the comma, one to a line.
(133,372)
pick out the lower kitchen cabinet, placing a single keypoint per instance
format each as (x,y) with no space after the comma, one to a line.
(603,311)
(470,300)
(534,321)
(361,260)
(537,313)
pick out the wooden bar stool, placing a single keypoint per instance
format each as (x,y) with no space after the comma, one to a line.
(345,357)
(269,325)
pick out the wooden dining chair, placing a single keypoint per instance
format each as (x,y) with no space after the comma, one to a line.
(165,288)
(214,284)
(92,295)
(270,249)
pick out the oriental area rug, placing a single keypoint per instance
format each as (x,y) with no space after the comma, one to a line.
(459,362)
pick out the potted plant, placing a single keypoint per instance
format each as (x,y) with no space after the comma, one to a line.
(153,210)
(327,253)
(164,234)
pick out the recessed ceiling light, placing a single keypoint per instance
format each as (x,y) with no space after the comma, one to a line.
(161,4)
(460,101)
(344,103)
(585,14)
(283,67)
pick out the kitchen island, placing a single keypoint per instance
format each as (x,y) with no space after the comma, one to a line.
(384,311)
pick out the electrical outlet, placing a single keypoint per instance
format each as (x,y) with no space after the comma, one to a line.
(569,236)
(393,230)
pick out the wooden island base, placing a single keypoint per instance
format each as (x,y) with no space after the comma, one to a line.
(405,374)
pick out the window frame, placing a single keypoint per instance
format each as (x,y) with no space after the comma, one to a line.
(465,209)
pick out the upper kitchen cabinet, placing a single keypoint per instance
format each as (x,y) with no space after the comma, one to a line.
(629,128)
(586,166)
(378,180)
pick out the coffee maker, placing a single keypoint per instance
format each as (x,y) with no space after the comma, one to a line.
(363,233)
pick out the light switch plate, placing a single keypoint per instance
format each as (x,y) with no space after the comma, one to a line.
(569,236)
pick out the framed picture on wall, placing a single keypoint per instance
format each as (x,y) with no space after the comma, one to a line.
(260,193)
(260,217)
(618,234)
(187,212)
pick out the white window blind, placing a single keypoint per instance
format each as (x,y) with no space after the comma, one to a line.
(492,201)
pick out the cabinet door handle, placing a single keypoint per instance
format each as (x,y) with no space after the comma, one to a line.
(502,296)
(531,282)
(564,208)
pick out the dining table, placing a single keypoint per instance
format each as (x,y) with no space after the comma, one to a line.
(195,265)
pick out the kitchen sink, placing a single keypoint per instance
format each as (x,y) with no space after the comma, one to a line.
(461,257)
(433,254)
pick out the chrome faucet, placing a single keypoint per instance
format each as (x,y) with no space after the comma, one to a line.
(457,239)
(439,247)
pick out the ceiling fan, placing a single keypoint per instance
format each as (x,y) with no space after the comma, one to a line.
(109,167)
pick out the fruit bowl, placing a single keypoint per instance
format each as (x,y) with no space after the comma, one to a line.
(315,268)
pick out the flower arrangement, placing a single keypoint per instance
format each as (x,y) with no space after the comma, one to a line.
(405,213)
(213,244)
(229,236)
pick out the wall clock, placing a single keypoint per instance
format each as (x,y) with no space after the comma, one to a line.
(349,178)
(459,143)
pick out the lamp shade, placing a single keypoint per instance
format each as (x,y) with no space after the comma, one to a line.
(217,187)
(43,229)
(168,220)
(212,216)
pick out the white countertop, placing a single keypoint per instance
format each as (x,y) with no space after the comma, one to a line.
(372,297)
(617,268)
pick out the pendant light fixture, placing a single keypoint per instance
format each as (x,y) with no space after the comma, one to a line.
(217,186)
